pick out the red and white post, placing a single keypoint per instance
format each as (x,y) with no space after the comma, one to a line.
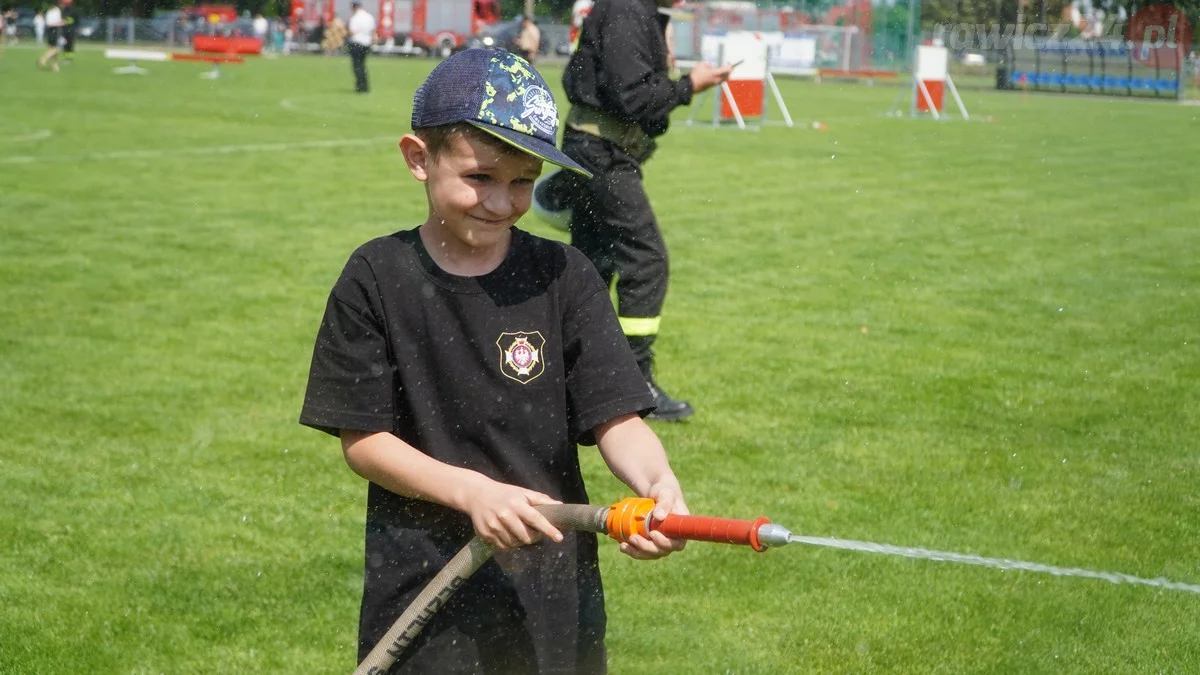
(930,81)
(744,95)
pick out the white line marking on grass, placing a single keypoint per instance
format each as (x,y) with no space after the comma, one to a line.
(204,150)
(38,135)
(995,563)
(290,105)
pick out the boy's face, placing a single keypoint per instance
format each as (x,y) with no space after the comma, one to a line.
(477,189)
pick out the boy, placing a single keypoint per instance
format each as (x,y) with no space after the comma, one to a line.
(460,363)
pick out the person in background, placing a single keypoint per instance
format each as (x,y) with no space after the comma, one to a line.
(39,26)
(529,40)
(335,37)
(68,30)
(362,36)
(672,68)
(579,12)
(8,27)
(54,22)
(261,26)
(621,93)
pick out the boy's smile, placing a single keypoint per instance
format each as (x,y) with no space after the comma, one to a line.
(477,189)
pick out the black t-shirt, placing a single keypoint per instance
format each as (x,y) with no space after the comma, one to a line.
(503,374)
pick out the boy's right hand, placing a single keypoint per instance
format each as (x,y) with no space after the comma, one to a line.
(504,515)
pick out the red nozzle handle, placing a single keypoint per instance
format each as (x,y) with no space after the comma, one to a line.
(719,530)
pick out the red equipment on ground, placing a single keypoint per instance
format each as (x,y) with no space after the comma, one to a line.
(219,44)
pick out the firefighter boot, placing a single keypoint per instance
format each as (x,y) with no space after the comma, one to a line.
(667,408)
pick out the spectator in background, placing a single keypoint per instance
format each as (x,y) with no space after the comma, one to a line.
(335,37)
(54,22)
(8,27)
(362,36)
(579,12)
(669,34)
(261,26)
(39,26)
(529,40)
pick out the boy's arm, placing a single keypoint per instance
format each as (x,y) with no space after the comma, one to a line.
(502,514)
(634,454)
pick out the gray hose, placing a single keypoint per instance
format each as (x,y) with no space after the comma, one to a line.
(577,517)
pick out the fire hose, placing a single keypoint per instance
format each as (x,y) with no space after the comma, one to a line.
(620,521)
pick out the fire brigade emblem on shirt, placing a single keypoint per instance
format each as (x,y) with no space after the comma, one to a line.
(521,355)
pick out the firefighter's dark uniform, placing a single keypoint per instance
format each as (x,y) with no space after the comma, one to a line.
(68,31)
(621,97)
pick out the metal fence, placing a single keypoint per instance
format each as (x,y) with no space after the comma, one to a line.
(166,31)
(856,35)
(174,31)
(1109,67)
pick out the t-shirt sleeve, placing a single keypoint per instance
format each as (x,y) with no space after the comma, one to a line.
(603,379)
(351,379)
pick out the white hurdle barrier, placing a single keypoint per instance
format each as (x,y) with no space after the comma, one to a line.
(133,56)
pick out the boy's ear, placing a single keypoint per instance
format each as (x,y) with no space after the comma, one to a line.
(416,155)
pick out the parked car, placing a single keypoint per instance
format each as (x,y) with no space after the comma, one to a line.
(504,36)
(24,22)
(90,28)
(498,36)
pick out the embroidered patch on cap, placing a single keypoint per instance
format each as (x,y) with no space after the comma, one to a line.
(515,99)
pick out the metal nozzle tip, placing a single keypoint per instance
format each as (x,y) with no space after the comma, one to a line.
(774,535)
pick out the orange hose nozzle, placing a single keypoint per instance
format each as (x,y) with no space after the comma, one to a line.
(632,515)
(628,517)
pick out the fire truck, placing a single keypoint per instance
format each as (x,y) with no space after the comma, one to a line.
(438,27)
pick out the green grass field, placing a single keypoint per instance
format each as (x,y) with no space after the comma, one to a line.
(969,336)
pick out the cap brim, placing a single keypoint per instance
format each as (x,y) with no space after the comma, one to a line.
(534,146)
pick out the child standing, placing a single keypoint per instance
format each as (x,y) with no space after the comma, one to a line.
(460,363)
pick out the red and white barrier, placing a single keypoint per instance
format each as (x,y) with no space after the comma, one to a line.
(745,93)
(931,80)
(136,55)
(931,70)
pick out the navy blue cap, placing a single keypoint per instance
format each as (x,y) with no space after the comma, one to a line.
(497,92)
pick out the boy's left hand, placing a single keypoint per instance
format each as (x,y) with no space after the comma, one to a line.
(668,499)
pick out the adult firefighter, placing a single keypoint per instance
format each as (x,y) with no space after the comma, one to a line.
(618,82)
